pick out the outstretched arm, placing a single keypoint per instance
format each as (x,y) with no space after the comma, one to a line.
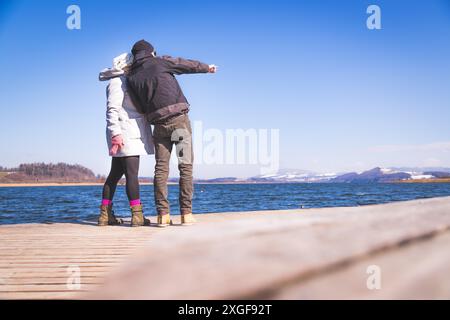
(185,66)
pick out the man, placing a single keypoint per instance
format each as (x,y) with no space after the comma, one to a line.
(154,88)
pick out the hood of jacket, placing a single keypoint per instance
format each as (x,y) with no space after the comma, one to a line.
(117,70)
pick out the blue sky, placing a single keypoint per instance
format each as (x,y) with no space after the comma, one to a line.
(343,97)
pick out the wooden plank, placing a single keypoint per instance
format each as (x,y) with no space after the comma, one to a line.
(50,280)
(415,271)
(41,295)
(62,260)
(267,252)
(54,264)
(45,287)
(36,275)
(34,258)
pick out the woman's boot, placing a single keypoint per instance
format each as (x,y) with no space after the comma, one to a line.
(137,217)
(107,217)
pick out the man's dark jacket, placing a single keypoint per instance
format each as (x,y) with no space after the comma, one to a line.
(155,91)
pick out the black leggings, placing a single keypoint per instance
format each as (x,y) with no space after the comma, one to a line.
(120,166)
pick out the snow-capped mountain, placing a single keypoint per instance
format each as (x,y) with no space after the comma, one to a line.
(292,175)
(373,175)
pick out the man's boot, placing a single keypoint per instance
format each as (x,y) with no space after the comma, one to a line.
(137,217)
(187,219)
(107,217)
(164,220)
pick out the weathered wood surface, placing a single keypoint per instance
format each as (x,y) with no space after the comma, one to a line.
(36,260)
(273,255)
(293,254)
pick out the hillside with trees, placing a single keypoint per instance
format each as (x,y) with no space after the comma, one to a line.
(48,173)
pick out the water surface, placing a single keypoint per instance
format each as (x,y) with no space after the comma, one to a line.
(80,203)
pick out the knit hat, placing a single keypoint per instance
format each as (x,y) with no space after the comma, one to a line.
(142,45)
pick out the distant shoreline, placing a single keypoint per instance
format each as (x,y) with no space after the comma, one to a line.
(50,184)
(444,180)
(87,184)
(57,184)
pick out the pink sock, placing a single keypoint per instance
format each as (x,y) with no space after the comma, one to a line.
(135,202)
(106,202)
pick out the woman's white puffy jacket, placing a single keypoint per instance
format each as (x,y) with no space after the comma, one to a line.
(123,118)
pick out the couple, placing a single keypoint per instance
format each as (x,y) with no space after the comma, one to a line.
(143,91)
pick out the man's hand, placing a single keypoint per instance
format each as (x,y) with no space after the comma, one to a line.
(212,68)
(117,144)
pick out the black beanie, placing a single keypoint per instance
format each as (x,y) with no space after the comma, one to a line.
(142,45)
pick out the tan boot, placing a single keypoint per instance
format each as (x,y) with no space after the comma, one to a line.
(187,219)
(164,220)
(137,217)
(107,217)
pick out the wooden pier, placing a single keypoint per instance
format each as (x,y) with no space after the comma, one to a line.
(292,254)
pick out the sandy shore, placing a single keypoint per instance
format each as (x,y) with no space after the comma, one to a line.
(446,180)
(63,184)
(5,185)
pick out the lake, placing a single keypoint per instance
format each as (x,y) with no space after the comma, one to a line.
(80,203)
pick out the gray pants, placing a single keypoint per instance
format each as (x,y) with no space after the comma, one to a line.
(175,131)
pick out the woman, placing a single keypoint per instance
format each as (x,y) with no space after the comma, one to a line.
(129,136)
